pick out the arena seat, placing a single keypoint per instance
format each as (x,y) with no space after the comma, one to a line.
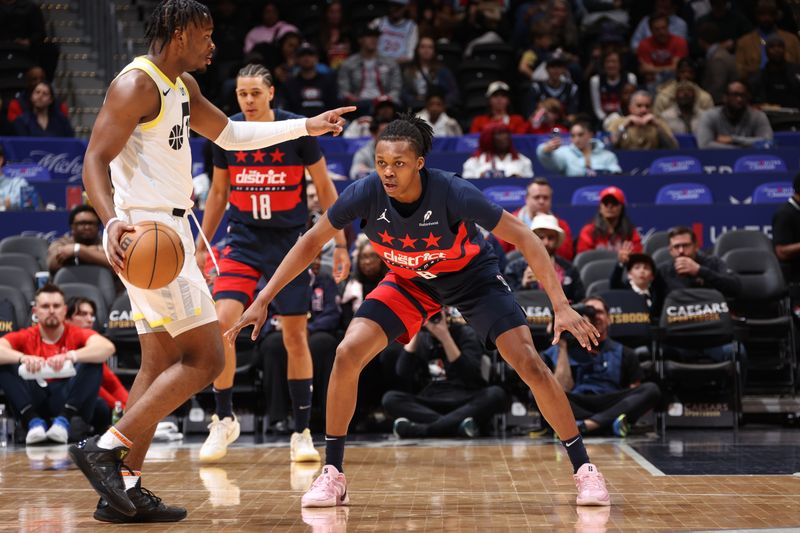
(24,261)
(661,257)
(596,288)
(763,304)
(694,319)
(742,238)
(21,305)
(35,246)
(774,192)
(14,276)
(656,240)
(584,258)
(599,269)
(93,293)
(31,172)
(588,195)
(684,194)
(99,276)
(760,163)
(676,164)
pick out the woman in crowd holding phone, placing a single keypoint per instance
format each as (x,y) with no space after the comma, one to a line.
(585,156)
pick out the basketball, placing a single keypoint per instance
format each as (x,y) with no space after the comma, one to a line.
(154,255)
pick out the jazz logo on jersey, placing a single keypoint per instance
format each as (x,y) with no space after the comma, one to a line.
(383,217)
(176,134)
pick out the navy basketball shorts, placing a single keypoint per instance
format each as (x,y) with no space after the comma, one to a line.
(245,260)
(401,308)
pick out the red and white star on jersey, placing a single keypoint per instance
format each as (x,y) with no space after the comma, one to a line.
(431,241)
(385,237)
(277,155)
(408,242)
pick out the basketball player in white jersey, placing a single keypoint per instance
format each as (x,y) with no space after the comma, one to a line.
(142,134)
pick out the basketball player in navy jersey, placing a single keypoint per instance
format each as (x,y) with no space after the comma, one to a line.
(142,136)
(268,212)
(423,223)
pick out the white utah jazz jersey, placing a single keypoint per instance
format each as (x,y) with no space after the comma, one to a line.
(154,169)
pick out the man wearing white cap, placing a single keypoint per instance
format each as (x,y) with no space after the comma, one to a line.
(520,276)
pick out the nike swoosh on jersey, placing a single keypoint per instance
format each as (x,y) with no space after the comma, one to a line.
(165,92)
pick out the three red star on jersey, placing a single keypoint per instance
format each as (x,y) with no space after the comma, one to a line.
(408,242)
(277,155)
(241,157)
(258,157)
(385,237)
(431,240)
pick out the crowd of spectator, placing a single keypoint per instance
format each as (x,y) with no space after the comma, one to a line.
(638,73)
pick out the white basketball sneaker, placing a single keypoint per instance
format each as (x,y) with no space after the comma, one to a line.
(302,448)
(221,433)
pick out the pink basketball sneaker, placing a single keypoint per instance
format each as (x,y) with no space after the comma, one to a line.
(591,486)
(328,490)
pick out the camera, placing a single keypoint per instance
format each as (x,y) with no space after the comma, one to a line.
(585,310)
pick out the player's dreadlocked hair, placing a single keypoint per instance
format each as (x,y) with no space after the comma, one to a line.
(254,70)
(171,15)
(408,127)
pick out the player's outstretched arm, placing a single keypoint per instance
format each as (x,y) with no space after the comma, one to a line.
(207,120)
(299,257)
(512,230)
(131,99)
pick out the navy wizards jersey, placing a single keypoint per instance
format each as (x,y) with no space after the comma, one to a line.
(439,244)
(268,185)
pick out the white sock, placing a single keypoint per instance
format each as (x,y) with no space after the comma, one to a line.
(113,439)
(131,479)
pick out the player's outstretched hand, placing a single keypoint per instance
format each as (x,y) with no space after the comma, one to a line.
(568,319)
(328,122)
(256,315)
(341,264)
(115,252)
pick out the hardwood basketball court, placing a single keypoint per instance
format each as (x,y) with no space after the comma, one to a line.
(698,480)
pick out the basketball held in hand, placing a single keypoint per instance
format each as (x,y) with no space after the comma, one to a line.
(154,255)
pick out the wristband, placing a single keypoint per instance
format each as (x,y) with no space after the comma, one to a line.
(76,248)
(341,246)
(111,221)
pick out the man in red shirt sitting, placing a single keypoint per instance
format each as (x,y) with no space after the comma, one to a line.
(51,343)
(659,54)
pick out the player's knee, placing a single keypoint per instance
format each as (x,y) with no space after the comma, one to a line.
(215,364)
(348,358)
(294,340)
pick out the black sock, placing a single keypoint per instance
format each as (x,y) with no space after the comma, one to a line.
(300,392)
(576,451)
(223,398)
(334,451)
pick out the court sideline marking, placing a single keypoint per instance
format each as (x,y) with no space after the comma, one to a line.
(640,460)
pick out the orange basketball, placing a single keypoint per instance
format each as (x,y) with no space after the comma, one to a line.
(154,255)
